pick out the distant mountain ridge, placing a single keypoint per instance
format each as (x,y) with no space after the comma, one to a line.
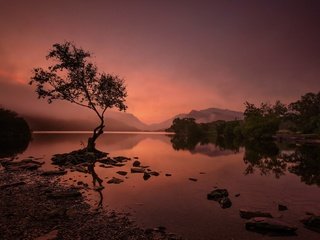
(202,116)
(120,121)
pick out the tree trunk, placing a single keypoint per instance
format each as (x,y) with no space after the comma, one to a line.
(91,146)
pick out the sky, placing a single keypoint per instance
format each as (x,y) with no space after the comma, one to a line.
(175,55)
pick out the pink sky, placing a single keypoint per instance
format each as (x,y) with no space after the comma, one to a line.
(175,56)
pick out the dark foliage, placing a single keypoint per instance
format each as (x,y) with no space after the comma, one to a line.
(72,77)
(15,133)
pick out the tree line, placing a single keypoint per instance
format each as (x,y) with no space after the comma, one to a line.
(259,122)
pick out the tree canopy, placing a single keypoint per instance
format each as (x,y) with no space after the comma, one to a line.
(72,77)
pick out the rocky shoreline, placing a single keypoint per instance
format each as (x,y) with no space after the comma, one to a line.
(37,206)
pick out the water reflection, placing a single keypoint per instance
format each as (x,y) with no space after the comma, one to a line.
(12,147)
(267,158)
(176,202)
(96,179)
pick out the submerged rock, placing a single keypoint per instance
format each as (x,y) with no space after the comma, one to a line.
(122,173)
(193,179)
(247,214)
(217,194)
(168,174)
(220,196)
(312,223)
(282,207)
(146,176)
(154,173)
(270,225)
(137,170)
(115,180)
(225,202)
(136,163)
(121,159)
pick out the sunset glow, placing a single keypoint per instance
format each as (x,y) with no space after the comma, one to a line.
(174,57)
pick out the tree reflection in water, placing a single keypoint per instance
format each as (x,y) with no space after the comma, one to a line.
(265,157)
(96,179)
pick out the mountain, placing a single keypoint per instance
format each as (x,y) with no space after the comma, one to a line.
(121,121)
(201,116)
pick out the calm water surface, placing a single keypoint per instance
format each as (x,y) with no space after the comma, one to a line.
(176,202)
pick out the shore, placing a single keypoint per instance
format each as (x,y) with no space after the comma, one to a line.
(40,207)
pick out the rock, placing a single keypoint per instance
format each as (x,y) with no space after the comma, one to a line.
(105,166)
(136,163)
(24,166)
(119,164)
(64,194)
(137,170)
(80,169)
(49,236)
(115,180)
(98,188)
(168,175)
(121,159)
(80,183)
(282,207)
(312,223)
(270,225)
(31,161)
(122,173)
(146,176)
(108,161)
(53,173)
(135,157)
(154,173)
(217,194)
(202,173)
(252,214)
(225,202)
(237,195)
(9,185)
(193,179)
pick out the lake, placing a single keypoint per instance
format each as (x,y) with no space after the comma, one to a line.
(181,204)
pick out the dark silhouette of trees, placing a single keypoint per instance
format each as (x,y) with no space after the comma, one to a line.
(73,78)
(15,133)
(306,113)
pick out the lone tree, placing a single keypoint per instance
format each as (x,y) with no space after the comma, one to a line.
(74,78)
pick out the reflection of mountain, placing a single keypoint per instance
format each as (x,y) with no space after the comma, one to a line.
(55,124)
(120,121)
(211,150)
(108,142)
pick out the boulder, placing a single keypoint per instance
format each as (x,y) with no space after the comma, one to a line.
(282,207)
(270,225)
(312,222)
(146,176)
(154,173)
(225,202)
(115,180)
(137,170)
(121,159)
(136,163)
(217,194)
(247,214)
(122,173)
